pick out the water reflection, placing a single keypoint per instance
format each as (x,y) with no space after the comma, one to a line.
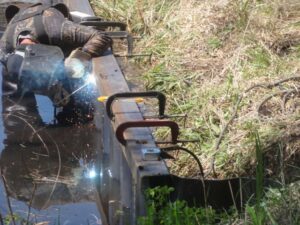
(46,165)
(50,170)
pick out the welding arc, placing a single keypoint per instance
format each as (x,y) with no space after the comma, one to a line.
(74,92)
(176,147)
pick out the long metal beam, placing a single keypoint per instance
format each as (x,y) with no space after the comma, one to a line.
(122,189)
(79,5)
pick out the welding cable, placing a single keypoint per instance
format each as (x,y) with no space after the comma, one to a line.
(176,147)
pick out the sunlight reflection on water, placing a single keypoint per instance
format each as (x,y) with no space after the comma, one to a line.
(29,168)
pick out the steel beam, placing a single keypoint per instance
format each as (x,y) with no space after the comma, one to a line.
(127,167)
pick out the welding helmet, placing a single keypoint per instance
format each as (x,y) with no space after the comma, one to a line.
(39,69)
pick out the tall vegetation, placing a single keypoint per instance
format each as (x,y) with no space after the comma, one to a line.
(232,66)
(262,211)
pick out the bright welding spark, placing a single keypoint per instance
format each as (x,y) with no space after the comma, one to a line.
(92,174)
(91,79)
(109,173)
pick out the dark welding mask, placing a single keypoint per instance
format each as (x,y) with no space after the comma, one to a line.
(42,67)
(39,69)
(13,64)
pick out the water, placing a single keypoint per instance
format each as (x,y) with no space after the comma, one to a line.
(49,170)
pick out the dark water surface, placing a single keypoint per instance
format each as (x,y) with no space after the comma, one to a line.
(49,170)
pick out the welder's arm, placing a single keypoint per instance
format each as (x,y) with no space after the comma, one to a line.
(90,41)
(69,35)
(86,41)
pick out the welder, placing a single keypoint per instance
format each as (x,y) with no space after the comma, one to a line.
(30,31)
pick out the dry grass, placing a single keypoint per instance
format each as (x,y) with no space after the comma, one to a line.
(206,54)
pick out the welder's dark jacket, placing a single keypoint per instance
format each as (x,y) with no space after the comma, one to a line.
(58,31)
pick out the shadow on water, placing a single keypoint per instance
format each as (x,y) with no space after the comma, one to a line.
(48,169)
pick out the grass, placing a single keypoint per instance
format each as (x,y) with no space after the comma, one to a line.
(233,68)
(257,213)
(161,211)
(269,207)
(205,56)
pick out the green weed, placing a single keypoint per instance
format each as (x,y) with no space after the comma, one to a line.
(14,219)
(205,54)
(267,208)
(214,43)
(257,213)
(242,8)
(259,58)
(160,210)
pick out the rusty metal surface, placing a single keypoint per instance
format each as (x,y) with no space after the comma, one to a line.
(133,170)
(102,25)
(110,81)
(149,94)
(78,5)
(147,123)
(129,172)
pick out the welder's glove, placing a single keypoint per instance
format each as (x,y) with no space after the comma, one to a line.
(77,63)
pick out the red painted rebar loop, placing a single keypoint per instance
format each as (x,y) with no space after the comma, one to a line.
(147,123)
(149,94)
